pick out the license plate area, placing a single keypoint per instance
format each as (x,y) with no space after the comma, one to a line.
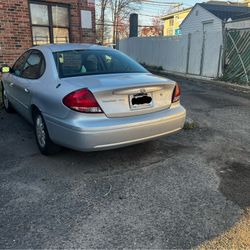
(140,101)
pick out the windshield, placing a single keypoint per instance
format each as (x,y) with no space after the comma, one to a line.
(92,62)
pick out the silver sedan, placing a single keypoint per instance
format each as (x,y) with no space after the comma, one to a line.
(89,97)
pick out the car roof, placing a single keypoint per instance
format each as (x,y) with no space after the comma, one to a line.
(70,46)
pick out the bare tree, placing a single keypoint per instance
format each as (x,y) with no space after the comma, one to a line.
(100,22)
(120,10)
(102,19)
(122,29)
(158,27)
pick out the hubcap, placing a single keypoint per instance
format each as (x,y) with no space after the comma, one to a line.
(5,99)
(40,131)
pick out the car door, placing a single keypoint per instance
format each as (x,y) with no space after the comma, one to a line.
(9,80)
(24,84)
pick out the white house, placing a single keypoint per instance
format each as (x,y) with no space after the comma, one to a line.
(211,17)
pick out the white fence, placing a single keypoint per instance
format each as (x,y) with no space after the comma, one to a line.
(197,53)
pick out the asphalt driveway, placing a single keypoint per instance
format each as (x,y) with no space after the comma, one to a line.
(177,192)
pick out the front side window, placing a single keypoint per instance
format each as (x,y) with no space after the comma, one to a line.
(50,23)
(19,64)
(92,62)
(34,66)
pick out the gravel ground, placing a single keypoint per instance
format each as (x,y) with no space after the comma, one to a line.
(182,191)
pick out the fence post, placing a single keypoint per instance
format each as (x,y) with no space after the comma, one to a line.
(224,44)
(188,52)
(219,61)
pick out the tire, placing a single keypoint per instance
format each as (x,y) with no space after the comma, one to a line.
(6,103)
(45,145)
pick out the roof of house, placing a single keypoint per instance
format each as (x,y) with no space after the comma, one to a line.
(175,12)
(243,16)
(225,12)
(234,3)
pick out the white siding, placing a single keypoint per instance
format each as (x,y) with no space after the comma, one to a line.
(194,23)
(195,53)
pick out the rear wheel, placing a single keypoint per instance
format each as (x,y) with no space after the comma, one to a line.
(45,145)
(6,103)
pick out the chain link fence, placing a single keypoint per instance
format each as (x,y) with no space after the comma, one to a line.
(237,56)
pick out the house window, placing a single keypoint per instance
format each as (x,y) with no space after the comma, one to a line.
(171,22)
(50,23)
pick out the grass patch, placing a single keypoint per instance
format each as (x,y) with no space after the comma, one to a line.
(190,124)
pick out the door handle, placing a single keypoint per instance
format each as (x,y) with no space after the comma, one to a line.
(26,90)
(11,84)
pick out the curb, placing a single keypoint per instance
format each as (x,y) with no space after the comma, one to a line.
(245,88)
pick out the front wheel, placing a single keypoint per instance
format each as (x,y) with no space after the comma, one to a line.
(6,103)
(45,145)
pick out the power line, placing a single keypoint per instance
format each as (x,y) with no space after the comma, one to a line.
(169,3)
(141,14)
(119,25)
(155,4)
(161,3)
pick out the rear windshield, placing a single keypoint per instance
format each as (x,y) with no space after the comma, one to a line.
(92,62)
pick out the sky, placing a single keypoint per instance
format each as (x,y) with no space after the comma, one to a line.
(155,8)
(148,11)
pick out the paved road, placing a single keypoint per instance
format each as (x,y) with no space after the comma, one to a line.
(176,192)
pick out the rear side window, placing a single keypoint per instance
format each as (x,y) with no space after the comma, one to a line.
(92,62)
(34,66)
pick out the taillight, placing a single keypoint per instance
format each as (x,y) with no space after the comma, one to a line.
(177,93)
(82,100)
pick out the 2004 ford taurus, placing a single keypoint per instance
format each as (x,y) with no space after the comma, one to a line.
(89,97)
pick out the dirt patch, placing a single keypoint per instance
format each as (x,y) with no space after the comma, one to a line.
(238,237)
(235,186)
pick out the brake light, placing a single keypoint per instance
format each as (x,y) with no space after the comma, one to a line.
(176,94)
(82,100)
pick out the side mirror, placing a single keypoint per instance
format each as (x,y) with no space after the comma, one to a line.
(5,69)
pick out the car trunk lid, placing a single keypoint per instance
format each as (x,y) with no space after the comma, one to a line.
(121,95)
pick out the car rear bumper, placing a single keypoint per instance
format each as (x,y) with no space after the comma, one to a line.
(97,132)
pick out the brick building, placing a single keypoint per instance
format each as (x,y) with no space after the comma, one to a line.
(25,23)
